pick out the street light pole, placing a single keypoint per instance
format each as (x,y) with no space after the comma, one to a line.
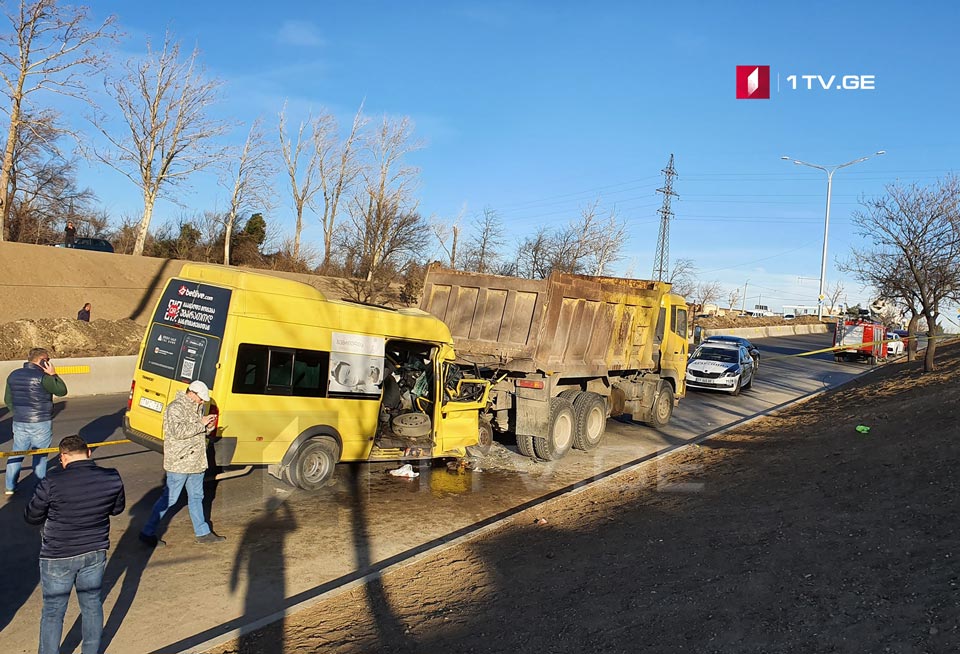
(829,170)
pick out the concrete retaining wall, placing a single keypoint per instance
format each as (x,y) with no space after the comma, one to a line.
(766,332)
(106,374)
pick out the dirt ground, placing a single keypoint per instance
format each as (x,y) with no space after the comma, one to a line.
(796,533)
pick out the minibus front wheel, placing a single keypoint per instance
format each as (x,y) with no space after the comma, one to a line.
(314,463)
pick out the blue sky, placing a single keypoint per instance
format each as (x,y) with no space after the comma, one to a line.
(536,109)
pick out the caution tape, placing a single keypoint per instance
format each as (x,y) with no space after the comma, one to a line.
(52,450)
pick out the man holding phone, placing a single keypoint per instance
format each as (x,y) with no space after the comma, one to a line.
(29,396)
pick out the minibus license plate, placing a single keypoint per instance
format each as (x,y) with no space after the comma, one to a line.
(153,405)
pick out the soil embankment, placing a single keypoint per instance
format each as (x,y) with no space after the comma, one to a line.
(797,533)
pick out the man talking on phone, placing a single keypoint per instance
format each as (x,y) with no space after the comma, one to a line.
(29,396)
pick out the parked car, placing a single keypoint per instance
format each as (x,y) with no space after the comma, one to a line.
(721,366)
(895,346)
(738,340)
(85,243)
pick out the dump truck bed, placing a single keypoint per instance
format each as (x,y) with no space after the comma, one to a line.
(575,325)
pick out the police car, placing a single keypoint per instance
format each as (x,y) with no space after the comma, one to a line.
(721,366)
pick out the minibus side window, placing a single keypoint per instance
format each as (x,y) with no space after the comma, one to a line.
(251,373)
(262,370)
(310,373)
(280,375)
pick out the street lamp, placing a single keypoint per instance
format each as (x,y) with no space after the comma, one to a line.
(829,170)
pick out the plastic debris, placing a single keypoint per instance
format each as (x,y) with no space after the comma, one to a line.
(540,521)
(405,470)
(863,429)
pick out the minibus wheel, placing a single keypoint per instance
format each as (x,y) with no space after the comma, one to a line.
(314,463)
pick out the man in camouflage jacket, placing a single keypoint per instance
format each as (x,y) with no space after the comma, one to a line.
(185,430)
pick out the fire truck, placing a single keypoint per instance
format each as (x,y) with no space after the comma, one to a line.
(859,338)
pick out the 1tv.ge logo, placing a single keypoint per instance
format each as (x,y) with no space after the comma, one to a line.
(753,82)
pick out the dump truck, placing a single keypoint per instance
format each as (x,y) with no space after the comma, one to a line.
(566,352)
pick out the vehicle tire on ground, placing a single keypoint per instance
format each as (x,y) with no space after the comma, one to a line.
(314,464)
(590,416)
(662,409)
(560,431)
(736,389)
(486,437)
(525,445)
(749,384)
(872,360)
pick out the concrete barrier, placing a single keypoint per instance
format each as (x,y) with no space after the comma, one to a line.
(766,332)
(88,375)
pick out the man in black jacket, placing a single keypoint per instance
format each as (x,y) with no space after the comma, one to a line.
(74,504)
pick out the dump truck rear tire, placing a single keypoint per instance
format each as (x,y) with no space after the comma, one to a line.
(590,413)
(560,431)
(525,445)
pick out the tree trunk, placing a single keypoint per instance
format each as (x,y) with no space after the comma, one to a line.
(912,337)
(148,202)
(296,234)
(227,235)
(930,352)
(7,168)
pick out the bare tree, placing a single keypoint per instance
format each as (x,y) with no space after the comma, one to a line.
(606,242)
(483,251)
(704,293)
(301,158)
(533,255)
(449,232)
(834,293)
(251,184)
(169,135)
(683,277)
(43,185)
(337,169)
(587,245)
(49,48)
(919,229)
(733,297)
(384,227)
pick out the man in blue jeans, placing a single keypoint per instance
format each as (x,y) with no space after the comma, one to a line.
(29,396)
(74,504)
(185,430)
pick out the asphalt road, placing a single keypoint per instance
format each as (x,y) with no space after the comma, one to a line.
(285,545)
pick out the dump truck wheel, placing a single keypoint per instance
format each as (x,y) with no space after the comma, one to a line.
(314,464)
(590,413)
(560,431)
(525,445)
(662,409)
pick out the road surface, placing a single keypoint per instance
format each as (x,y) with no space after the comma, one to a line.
(286,545)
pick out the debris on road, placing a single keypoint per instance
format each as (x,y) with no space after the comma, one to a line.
(406,471)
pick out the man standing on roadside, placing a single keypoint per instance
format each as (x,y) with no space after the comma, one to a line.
(185,430)
(69,234)
(29,396)
(74,504)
